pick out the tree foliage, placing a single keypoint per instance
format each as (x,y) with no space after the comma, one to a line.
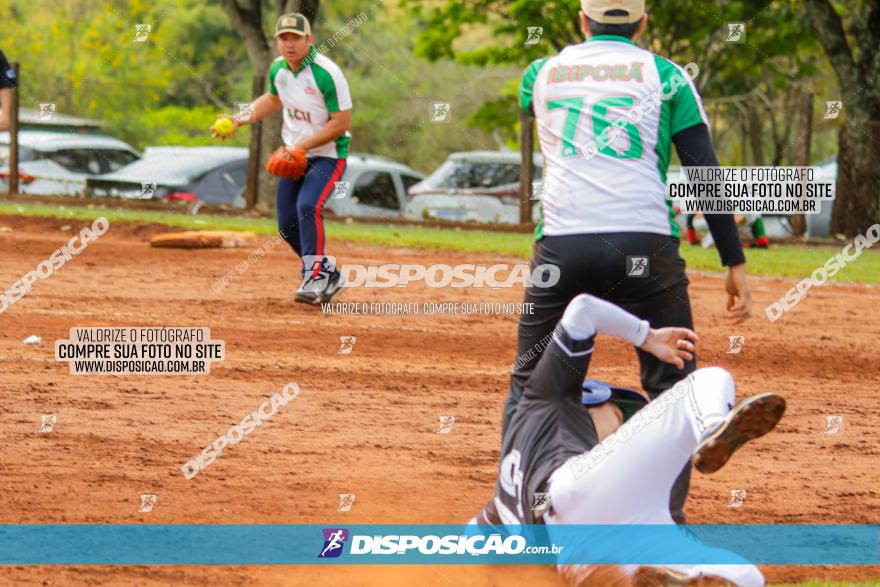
(757,79)
(83,56)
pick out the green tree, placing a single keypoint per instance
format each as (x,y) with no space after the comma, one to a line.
(778,59)
(851,43)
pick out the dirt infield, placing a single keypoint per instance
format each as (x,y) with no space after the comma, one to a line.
(366,423)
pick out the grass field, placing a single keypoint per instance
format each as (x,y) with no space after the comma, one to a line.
(780,261)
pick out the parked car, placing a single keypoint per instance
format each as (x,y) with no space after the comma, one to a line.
(494,173)
(480,186)
(52,163)
(373,187)
(212,175)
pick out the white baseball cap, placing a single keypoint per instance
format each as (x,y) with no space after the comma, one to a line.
(597,10)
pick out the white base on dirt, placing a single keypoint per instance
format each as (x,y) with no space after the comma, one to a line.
(205,239)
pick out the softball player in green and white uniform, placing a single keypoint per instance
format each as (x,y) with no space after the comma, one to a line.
(608,113)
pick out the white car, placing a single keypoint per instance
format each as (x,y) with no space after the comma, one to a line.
(478,186)
(373,187)
(52,163)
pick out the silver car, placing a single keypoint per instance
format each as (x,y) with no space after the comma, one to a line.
(372,186)
(478,186)
(52,163)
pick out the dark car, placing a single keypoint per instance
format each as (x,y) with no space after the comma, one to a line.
(211,175)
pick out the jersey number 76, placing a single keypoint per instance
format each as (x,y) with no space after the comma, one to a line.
(604,130)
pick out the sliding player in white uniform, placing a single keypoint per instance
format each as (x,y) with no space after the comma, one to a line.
(608,460)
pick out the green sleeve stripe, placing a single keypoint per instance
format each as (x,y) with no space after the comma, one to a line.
(526,86)
(687,111)
(342,145)
(684,102)
(539,227)
(669,109)
(273,71)
(327,86)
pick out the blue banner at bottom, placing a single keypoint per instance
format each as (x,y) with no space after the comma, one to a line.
(222,544)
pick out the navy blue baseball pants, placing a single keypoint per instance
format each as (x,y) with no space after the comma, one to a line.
(300,204)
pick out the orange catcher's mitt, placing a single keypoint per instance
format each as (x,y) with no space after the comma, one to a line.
(287,162)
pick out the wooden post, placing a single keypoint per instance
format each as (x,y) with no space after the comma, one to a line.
(527,167)
(13,134)
(799,221)
(252,189)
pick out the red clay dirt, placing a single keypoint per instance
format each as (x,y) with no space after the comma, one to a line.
(366,422)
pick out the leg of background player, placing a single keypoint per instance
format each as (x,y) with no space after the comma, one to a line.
(692,237)
(658,376)
(549,304)
(661,299)
(285,205)
(624,479)
(759,233)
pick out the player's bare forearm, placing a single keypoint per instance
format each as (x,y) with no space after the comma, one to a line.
(338,124)
(5,105)
(739,297)
(264,106)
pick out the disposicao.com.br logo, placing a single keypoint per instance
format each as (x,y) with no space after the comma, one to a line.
(450,544)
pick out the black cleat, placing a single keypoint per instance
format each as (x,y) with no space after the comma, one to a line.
(750,419)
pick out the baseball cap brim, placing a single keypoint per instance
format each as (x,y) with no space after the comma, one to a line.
(628,400)
(290,30)
(595,392)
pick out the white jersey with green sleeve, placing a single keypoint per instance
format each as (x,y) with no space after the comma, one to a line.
(309,96)
(606,111)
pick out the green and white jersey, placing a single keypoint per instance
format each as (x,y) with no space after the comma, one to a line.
(309,96)
(606,111)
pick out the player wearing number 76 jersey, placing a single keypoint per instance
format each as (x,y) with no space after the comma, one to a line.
(608,113)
